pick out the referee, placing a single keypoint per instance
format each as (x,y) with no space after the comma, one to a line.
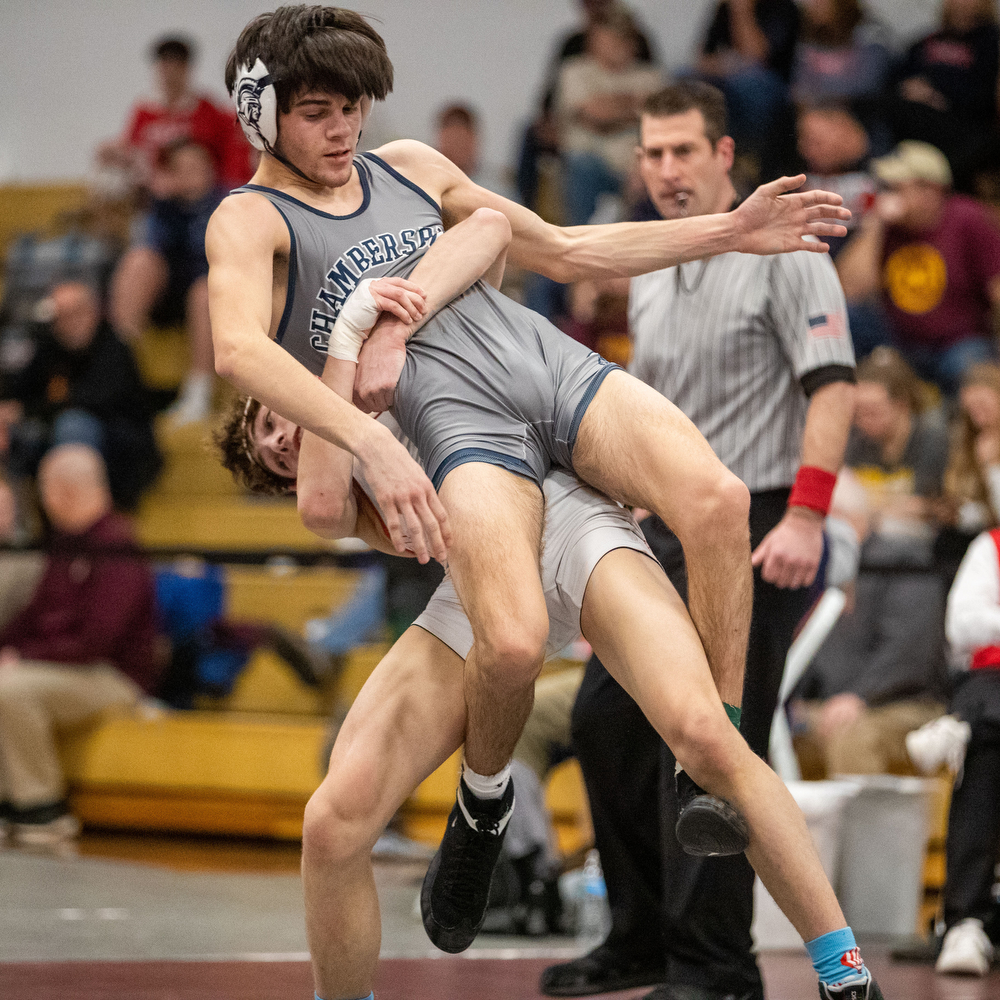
(757,352)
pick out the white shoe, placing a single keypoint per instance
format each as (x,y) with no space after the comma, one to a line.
(62,828)
(966,950)
(941,741)
(193,403)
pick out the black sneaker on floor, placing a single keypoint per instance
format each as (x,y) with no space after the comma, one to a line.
(602,970)
(456,887)
(868,990)
(707,827)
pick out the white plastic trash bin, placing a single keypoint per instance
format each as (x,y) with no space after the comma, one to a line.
(823,804)
(882,865)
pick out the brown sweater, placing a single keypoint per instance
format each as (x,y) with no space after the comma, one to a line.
(94,603)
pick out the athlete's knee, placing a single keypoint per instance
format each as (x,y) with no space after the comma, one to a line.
(496,223)
(705,743)
(338,826)
(720,509)
(513,650)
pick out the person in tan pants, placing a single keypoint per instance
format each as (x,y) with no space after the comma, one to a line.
(82,644)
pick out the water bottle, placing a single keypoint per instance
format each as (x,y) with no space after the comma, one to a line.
(594,920)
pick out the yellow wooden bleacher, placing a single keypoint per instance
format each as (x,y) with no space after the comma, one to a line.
(246,764)
(26,208)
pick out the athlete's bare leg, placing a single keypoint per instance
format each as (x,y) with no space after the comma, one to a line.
(496,521)
(407,720)
(636,446)
(643,634)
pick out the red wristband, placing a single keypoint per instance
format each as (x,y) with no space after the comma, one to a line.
(813,489)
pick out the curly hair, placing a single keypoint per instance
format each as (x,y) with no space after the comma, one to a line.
(234,439)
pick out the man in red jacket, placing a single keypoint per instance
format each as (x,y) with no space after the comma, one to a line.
(83,643)
(179,112)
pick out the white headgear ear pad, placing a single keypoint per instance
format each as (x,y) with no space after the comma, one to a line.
(257,106)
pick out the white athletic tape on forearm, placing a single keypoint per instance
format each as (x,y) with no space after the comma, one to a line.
(356,319)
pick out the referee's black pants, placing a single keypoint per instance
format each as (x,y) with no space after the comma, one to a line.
(695,912)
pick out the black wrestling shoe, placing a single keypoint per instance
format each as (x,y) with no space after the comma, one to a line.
(868,990)
(707,827)
(600,971)
(682,991)
(456,887)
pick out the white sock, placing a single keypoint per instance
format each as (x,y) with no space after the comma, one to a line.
(486,786)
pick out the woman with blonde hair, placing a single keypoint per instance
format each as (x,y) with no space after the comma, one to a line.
(972,480)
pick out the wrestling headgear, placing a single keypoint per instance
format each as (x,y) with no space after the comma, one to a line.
(257,106)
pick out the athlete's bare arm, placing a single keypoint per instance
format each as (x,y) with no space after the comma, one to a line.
(474,248)
(244,236)
(771,220)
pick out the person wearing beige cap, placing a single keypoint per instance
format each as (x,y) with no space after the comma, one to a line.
(934,259)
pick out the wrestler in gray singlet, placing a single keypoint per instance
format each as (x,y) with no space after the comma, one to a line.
(485,380)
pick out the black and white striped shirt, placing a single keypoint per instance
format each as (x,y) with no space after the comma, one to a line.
(732,340)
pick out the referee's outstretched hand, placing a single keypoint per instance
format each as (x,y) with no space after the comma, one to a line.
(776,220)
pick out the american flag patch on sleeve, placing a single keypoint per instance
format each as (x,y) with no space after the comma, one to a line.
(827,326)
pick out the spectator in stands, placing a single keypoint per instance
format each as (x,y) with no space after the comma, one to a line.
(934,258)
(164,276)
(973,629)
(748,54)
(972,480)
(598,100)
(880,674)
(458,137)
(83,644)
(947,87)
(834,148)
(82,386)
(542,135)
(842,53)
(19,571)
(834,145)
(178,112)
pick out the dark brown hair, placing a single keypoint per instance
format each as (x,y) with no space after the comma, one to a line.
(458,114)
(690,95)
(234,439)
(890,369)
(847,15)
(618,19)
(178,49)
(305,48)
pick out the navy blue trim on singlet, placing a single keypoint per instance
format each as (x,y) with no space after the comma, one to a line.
(290,287)
(588,398)
(403,180)
(365,201)
(464,455)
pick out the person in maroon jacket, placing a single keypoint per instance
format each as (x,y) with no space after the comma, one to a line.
(84,642)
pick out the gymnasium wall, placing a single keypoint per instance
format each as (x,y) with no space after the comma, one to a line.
(73,67)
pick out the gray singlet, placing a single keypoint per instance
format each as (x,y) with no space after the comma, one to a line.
(485,380)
